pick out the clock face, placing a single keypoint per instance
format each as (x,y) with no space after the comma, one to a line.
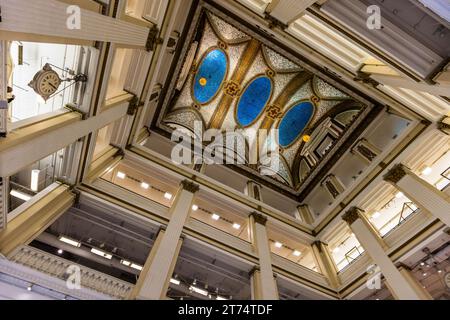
(48,83)
(447,279)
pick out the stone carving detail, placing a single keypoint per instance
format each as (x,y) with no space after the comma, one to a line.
(190,186)
(351,215)
(259,218)
(56,266)
(396,173)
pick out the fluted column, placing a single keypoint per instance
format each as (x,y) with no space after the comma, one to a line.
(420,192)
(399,285)
(35,219)
(263,283)
(163,255)
(325,263)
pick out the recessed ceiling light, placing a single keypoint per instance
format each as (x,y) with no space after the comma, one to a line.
(29,287)
(236,226)
(424,274)
(125,262)
(336,250)
(194,207)
(60,251)
(439,271)
(198,290)
(121,175)
(426,171)
(175,281)
(145,185)
(168,195)
(136,266)
(296,253)
(278,244)
(101,253)
(20,195)
(422,264)
(215,216)
(70,241)
(220,298)
(34,185)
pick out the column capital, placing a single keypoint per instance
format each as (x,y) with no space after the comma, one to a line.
(351,215)
(254,269)
(190,186)
(258,217)
(318,244)
(396,173)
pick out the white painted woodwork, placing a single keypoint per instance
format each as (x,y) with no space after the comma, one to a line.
(390,39)
(400,82)
(19,156)
(49,17)
(288,10)
(154,11)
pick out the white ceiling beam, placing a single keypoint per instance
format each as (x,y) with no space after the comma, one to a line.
(287,11)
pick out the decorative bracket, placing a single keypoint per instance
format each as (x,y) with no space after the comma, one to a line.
(153,38)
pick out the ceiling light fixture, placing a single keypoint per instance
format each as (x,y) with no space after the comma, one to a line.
(236,226)
(175,281)
(168,195)
(215,216)
(194,207)
(145,185)
(336,250)
(220,298)
(29,287)
(70,241)
(198,290)
(60,251)
(136,266)
(20,195)
(278,244)
(121,175)
(34,185)
(296,253)
(125,262)
(426,171)
(101,253)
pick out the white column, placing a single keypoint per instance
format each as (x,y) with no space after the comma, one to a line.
(155,284)
(420,192)
(263,281)
(325,263)
(397,282)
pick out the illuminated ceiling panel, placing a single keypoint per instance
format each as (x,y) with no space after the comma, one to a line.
(229,76)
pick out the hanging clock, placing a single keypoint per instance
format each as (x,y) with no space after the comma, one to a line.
(47,81)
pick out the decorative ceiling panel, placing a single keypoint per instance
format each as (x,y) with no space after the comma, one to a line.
(229,76)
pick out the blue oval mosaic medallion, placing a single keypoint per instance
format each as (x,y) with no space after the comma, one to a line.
(294,122)
(210,75)
(253,100)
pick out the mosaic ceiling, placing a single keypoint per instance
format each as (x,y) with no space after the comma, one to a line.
(230,78)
